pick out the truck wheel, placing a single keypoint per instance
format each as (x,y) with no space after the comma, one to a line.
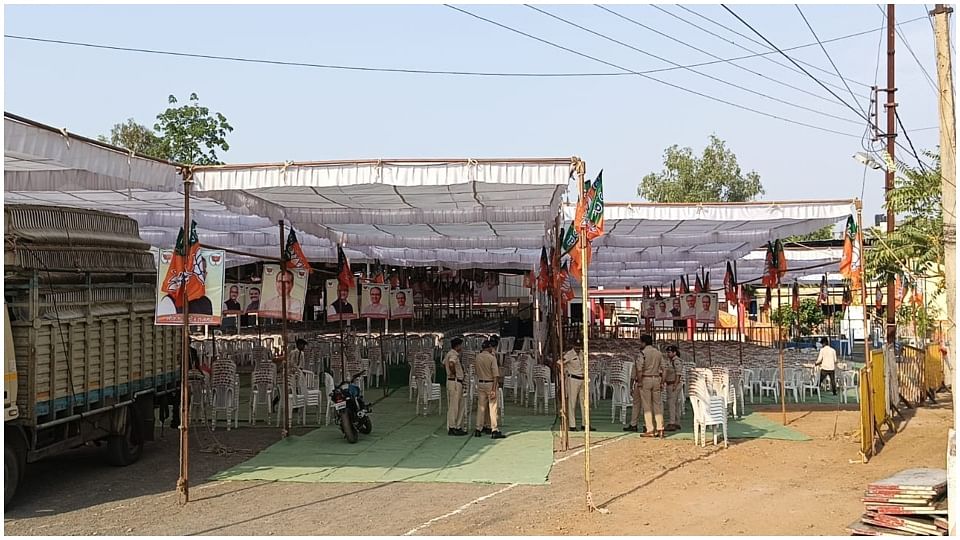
(12,473)
(125,449)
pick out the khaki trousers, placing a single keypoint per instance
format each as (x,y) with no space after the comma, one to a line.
(637,407)
(652,403)
(454,404)
(574,395)
(673,402)
(484,401)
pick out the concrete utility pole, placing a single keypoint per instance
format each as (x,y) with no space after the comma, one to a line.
(948,185)
(891,135)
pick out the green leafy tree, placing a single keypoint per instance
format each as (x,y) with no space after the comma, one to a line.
(191,134)
(136,137)
(714,176)
(915,248)
(825,233)
(805,320)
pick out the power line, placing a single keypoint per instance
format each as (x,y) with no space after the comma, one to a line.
(708,53)
(677,87)
(761,44)
(702,74)
(835,68)
(785,55)
(412,70)
(903,38)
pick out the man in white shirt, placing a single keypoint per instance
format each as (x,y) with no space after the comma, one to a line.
(375,309)
(827,362)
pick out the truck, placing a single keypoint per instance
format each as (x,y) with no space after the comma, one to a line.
(83,361)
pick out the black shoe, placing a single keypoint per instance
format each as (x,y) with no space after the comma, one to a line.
(591,428)
(477,433)
(630,428)
(486,431)
(497,435)
(574,428)
(456,432)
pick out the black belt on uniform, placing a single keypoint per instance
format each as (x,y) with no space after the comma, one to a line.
(482,380)
(578,377)
(458,380)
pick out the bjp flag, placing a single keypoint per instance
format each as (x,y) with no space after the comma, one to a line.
(187,276)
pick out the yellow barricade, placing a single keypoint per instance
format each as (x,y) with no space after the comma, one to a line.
(878,388)
(866,417)
(933,368)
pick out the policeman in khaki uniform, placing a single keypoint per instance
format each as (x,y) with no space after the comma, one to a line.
(487,374)
(454,388)
(650,375)
(671,381)
(573,369)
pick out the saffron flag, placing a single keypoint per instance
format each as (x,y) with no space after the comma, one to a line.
(879,298)
(847,296)
(543,276)
(769,267)
(823,297)
(698,285)
(187,276)
(528,279)
(293,253)
(565,285)
(344,274)
(768,299)
(730,284)
(850,261)
(796,297)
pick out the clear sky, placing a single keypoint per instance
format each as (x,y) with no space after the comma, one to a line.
(621,124)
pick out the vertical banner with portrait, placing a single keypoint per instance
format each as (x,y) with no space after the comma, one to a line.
(489,291)
(707,307)
(233,299)
(647,308)
(291,283)
(251,298)
(375,303)
(661,309)
(401,304)
(342,302)
(204,289)
(688,306)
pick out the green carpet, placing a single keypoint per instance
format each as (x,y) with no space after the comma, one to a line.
(408,448)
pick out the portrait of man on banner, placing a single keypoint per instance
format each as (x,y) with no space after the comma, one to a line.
(688,310)
(277,284)
(374,303)
(663,310)
(232,305)
(202,278)
(648,309)
(707,307)
(401,304)
(342,301)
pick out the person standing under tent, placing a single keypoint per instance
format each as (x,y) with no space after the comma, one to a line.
(487,374)
(827,362)
(650,375)
(673,386)
(495,343)
(573,368)
(297,356)
(454,388)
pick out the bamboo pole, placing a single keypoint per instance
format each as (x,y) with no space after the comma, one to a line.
(783,384)
(283,339)
(863,298)
(183,482)
(581,174)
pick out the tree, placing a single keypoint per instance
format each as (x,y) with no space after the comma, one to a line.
(825,233)
(190,134)
(715,176)
(136,137)
(809,316)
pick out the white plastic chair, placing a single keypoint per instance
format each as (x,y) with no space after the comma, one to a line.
(198,397)
(296,399)
(262,390)
(747,382)
(848,380)
(770,383)
(427,389)
(328,387)
(810,381)
(224,391)
(790,383)
(311,385)
(544,389)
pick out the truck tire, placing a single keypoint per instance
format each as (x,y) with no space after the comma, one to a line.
(125,449)
(12,473)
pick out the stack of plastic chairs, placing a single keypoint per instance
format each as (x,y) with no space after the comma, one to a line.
(544,389)
(296,398)
(312,392)
(709,406)
(224,392)
(427,389)
(622,396)
(263,389)
(328,388)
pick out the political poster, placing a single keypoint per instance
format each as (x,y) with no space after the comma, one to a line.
(401,304)
(374,302)
(648,309)
(202,277)
(688,308)
(277,284)
(662,309)
(342,302)
(707,307)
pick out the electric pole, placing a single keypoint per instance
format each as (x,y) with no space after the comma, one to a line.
(948,185)
(891,135)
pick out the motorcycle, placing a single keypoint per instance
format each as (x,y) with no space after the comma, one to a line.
(352,414)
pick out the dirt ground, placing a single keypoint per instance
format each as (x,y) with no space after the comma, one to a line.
(646,487)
